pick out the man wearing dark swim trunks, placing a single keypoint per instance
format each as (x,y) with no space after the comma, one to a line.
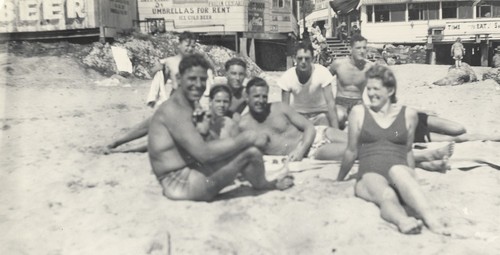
(351,81)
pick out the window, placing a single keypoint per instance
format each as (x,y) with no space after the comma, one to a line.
(495,5)
(279,3)
(424,11)
(369,13)
(392,13)
(453,10)
(449,10)
(465,10)
(483,11)
(381,13)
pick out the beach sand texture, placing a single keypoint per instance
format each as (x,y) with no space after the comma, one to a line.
(60,197)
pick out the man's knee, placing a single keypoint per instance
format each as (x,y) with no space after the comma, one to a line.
(252,153)
(457,129)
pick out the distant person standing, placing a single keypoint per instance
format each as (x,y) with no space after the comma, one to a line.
(342,32)
(457,52)
(496,57)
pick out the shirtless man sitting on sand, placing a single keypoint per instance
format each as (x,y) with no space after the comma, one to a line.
(187,167)
(290,133)
(293,135)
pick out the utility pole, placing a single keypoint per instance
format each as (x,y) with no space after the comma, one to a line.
(303,18)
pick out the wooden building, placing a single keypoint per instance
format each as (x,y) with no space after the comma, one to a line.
(437,23)
(40,19)
(263,29)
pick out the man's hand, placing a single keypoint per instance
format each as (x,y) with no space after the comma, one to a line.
(261,140)
(296,155)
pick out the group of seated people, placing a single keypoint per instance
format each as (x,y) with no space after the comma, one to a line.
(197,151)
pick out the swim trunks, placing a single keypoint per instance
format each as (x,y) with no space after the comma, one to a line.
(176,182)
(348,103)
(319,140)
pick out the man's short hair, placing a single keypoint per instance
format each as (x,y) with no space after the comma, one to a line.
(218,88)
(357,38)
(186,35)
(235,61)
(192,61)
(256,82)
(303,45)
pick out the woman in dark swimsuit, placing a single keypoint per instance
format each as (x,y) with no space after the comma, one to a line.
(383,135)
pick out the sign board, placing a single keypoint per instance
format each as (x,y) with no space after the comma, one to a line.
(46,15)
(197,15)
(471,28)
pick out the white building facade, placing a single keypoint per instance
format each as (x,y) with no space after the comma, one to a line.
(437,23)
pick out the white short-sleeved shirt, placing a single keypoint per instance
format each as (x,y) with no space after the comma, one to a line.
(307,97)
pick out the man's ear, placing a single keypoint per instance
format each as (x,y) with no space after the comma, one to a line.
(178,77)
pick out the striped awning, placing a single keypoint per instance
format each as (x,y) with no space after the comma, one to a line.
(319,15)
(367,2)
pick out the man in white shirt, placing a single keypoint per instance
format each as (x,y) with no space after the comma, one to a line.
(310,85)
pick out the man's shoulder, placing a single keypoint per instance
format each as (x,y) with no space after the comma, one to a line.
(289,76)
(338,62)
(173,60)
(170,110)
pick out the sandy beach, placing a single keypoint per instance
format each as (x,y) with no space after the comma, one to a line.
(58,196)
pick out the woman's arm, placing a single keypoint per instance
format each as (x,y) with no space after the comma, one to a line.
(411,124)
(355,122)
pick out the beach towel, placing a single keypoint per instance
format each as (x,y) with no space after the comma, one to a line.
(159,92)
(275,164)
(469,155)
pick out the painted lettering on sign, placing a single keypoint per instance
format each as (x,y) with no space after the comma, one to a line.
(186,11)
(472,27)
(35,10)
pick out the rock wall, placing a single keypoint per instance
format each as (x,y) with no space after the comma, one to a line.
(143,50)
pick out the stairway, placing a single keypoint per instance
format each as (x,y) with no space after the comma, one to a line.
(338,48)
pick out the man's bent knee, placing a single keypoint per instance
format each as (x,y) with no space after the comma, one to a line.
(252,153)
(190,196)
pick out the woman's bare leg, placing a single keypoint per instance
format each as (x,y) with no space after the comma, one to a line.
(411,193)
(374,188)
